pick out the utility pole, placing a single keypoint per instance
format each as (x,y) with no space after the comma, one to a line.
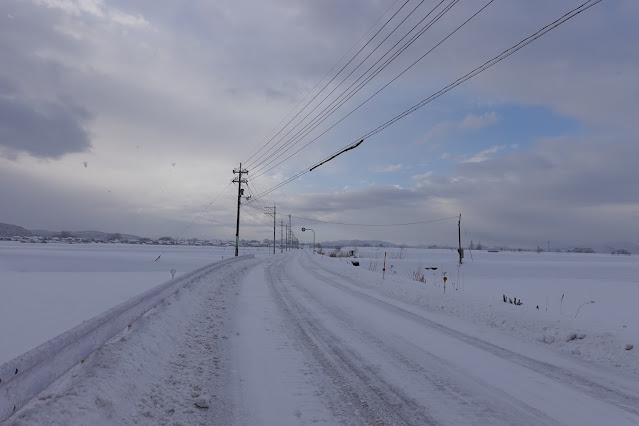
(460,250)
(286,245)
(290,230)
(272,213)
(240,193)
(282,236)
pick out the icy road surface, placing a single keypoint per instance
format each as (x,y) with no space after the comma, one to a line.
(286,341)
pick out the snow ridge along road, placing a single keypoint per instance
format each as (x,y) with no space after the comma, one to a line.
(286,341)
(27,375)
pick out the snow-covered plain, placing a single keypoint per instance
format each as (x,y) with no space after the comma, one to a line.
(48,289)
(303,339)
(299,338)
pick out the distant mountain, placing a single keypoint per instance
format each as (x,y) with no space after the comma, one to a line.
(98,235)
(7,230)
(43,233)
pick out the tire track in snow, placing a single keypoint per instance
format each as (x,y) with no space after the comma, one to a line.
(477,398)
(365,397)
(618,398)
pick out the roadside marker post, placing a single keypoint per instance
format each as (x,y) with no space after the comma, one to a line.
(384,269)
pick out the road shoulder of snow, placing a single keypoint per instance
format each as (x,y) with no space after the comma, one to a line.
(160,371)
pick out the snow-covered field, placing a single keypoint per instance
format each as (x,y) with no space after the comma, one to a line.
(47,289)
(303,339)
(475,291)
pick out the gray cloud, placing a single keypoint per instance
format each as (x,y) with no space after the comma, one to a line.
(49,131)
(565,190)
(199,82)
(36,118)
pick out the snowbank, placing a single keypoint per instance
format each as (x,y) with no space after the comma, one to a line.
(24,377)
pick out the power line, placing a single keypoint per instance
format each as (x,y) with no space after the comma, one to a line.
(323,114)
(257,209)
(253,190)
(488,64)
(379,69)
(332,107)
(248,212)
(196,218)
(335,76)
(253,214)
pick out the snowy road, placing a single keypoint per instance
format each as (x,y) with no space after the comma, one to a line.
(355,357)
(287,341)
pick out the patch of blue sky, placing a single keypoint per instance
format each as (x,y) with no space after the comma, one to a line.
(433,140)
(436,143)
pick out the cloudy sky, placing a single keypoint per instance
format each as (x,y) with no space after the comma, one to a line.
(129,116)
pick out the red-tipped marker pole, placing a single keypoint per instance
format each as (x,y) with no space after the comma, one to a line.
(384,270)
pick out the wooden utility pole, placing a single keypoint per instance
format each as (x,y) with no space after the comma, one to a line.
(282,236)
(460,250)
(240,193)
(268,212)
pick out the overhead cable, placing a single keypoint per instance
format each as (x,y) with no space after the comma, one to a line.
(488,64)
(334,66)
(323,114)
(196,218)
(341,103)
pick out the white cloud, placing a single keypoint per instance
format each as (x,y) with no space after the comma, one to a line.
(469,123)
(476,122)
(484,155)
(423,176)
(95,8)
(438,131)
(388,169)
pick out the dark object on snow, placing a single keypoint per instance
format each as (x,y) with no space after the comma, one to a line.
(355,262)
(513,301)
(537,307)
(621,251)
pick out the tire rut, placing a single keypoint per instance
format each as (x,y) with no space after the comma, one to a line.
(365,396)
(500,408)
(629,403)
